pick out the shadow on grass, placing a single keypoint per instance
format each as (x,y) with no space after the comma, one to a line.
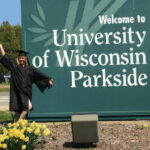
(6,117)
(79,145)
(6,122)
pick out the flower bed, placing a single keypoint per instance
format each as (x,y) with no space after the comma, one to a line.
(21,135)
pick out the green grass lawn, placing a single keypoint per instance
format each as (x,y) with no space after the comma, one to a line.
(5,116)
(4,87)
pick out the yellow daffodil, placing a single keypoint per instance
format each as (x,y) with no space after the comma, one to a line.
(22,137)
(29,129)
(23,122)
(46,132)
(4,130)
(9,125)
(39,125)
(16,124)
(24,128)
(23,147)
(37,131)
(44,126)
(146,126)
(32,125)
(4,146)
(26,139)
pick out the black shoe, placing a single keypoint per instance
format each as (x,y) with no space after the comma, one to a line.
(16,116)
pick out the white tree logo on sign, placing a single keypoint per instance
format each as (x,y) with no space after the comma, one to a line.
(107,7)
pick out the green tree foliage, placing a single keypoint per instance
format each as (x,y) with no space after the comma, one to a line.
(10,37)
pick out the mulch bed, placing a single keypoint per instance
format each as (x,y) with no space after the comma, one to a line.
(113,136)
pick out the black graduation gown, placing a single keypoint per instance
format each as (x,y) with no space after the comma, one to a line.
(21,82)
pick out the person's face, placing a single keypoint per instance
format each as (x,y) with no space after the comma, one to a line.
(22,60)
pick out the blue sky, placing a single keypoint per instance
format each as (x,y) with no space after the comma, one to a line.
(10,11)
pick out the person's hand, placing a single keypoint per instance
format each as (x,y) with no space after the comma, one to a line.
(1,46)
(2,49)
(51,82)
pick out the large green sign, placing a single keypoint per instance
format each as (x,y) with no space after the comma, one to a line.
(97,52)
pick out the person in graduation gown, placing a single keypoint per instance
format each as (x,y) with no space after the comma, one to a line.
(22,78)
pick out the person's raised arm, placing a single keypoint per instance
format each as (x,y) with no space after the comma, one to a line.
(7,61)
(2,49)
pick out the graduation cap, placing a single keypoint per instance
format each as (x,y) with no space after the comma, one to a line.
(22,53)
